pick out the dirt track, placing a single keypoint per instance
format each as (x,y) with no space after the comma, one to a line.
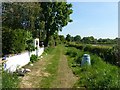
(64,79)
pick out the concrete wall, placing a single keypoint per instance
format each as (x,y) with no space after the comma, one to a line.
(20,60)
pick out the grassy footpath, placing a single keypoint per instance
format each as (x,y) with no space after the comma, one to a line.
(98,75)
(51,67)
(61,76)
(51,71)
(44,70)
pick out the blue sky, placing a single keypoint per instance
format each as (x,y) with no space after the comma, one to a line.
(98,19)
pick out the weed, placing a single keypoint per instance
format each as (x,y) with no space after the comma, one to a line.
(99,75)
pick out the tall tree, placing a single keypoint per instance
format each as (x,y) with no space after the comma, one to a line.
(56,15)
(20,15)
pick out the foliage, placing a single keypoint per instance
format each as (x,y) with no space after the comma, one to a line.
(54,40)
(14,41)
(98,75)
(106,52)
(30,46)
(17,15)
(107,41)
(56,15)
(33,58)
(43,19)
(62,38)
(10,80)
(88,39)
(68,38)
(77,39)
(51,42)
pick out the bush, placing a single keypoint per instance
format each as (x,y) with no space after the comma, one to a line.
(33,58)
(14,41)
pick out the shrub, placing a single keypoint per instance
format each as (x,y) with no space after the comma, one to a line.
(33,58)
(14,41)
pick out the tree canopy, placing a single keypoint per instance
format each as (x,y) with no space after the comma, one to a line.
(42,19)
(55,15)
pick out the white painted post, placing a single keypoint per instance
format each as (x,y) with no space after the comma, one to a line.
(36,44)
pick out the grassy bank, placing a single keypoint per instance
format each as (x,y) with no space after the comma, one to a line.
(98,75)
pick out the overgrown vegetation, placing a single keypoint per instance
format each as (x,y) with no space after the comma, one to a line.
(14,41)
(10,80)
(98,75)
(108,53)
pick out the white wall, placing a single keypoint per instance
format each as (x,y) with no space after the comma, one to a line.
(20,60)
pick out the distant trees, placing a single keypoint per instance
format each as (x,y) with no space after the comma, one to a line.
(90,40)
(107,41)
(77,38)
(68,37)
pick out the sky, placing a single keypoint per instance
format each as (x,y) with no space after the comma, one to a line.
(98,19)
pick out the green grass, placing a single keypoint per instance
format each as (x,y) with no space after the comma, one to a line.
(98,75)
(51,68)
(0,76)
(10,80)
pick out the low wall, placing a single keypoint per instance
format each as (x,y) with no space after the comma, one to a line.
(20,60)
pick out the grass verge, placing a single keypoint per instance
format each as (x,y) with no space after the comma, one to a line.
(10,80)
